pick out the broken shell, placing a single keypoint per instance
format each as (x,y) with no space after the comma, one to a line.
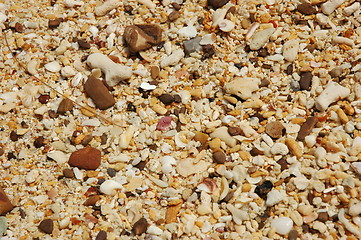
(109,186)
(208,185)
(181,139)
(224,188)
(226,25)
(238,215)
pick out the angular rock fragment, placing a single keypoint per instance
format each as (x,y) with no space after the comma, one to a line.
(306,128)
(242,87)
(65,105)
(142,36)
(99,93)
(5,204)
(85,158)
(46,226)
(217,3)
(192,45)
(275,129)
(140,226)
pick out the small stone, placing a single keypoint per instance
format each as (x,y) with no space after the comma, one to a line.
(217,3)
(44,98)
(306,128)
(54,23)
(65,105)
(140,226)
(293,235)
(234,131)
(19,27)
(290,50)
(3,225)
(154,71)
(111,172)
(306,80)
(322,216)
(46,226)
(208,51)
(262,52)
(200,137)
(99,93)
(219,157)
(164,124)
(172,212)
(336,72)
(166,98)
(143,36)
(192,45)
(261,38)
(5,204)
(173,16)
(102,235)
(68,173)
(242,87)
(306,9)
(92,200)
(39,142)
(289,69)
(83,44)
(13,136)
(53,66)
(282,225)
(86,140)
(85,158)
(176,6)
(275,129)
(263,189)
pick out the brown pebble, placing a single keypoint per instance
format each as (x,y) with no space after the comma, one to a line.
(176,6)
(283,163)
(140,226)
(306,128)
(85,158)
(65,105)
(264,82)
(141,165)
(83,44)
(13,136)
(234,131)
(5,204)
(103,139)
(86,140)
(44,99)
(141,37)
(217,3)
(92,200)
(2,151)
(39,142)
(275,129)
(99,93)
(219,157)
(173,16)
(102,235)
(54,23)
(46,226)
(306,80)
(166,98)
(228,197)
(154,71)
(322,216)
(306,9)
(177,98)
(128,9)
(293,235)
(200,137)
(68,173)
(262,52)
(289,69)
(19,27)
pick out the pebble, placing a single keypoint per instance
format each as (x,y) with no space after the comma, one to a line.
(172,59)
(322,216)
(306,80)
(68,173)
(67,72)
(143,36)
(99,93)
(274,197)
(46,226)
(65,105)
(282,225)
(357,167)
(293,235)
(176,6)
(226,25)
(140,226)
(19,27)
(223,135)
(164,124)
(290,50)
(263,189)
(108,187)
(102,235)
(355,209)
(106,7)
(173,16)
(166,99)
(200,137)
(306,9)
(92,200)
(192,45)
(336,72)
(242,87)
(217,3)
(83,44)
(85,158)
(306,128)
(279,149)
(234,131)
(219,157)
(260,38)
(189,31)
(330,6)
(53,67)
(154,71)
(54,23)
(5,204)
(275,129)
(111,172)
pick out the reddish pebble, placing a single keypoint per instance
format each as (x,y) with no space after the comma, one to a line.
(86,158)
(5,204)
(164,123)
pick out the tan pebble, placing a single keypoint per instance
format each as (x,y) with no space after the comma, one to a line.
(230,99)
(245,156)
(342,115)
(215,143)
(246,187)
(294,147)
(235,112)
(298,120)
(154,71)
(172,212)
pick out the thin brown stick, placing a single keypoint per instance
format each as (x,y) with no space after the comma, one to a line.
(53,89)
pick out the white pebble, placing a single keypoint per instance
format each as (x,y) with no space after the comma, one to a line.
(357,167)
(261,38)
(189,31)
(226,25)
(67,71)
(222,133)
(53,66)
(106,7)
(242,87)
(330,6)
(355,209)
(352,8)
(274,197)
(332,93)
(290,50)
(279,148)
(154,230)
(72,3)
(172,59)
(59,157)
(356,146)
(77,173)
(32,176)
(282,225)
(148,3)
(343,40)
(208,39)
(109,186)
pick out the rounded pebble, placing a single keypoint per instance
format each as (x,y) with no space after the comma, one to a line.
(219,157)
(293,235)
(282,225)
(46,226)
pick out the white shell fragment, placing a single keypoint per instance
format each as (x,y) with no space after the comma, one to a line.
(282,225)
(332,93)
(106,7)
(290,50)
(261,38)
(172,59)
(226,25)
(109,187)
(330,6)
(243,87)
(53,66)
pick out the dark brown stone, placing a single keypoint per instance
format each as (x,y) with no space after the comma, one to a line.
(293,235)
(234,131)
(322,216)
(306,9)
(275,129)
(13,136)
(85,158)
(65,105)
(54,23)
(83,44)
(102,235)
(86,140)
(44,99)
(46,226)
(19,27)
(99,93)
(306,128)
(173,16)
(140,226)
(217,3)
(141,37)
(219,157)
(306,80)
(92,200)
(166,98)
(176,6)
(39,142)
(68,173)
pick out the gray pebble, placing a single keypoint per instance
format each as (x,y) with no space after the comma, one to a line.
(192,45)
